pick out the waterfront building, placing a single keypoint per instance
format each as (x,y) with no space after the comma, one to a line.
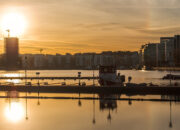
(68,61)
(88,60)
(11,54)
(50,59)
(97,60)
(163,54)
(79,60)
(134,59)
(107,58)
(141,56)
(151,55)
(39,61)
(168,50)
(27,61)
(177,50)
(59,60)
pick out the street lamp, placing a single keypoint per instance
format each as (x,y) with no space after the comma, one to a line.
(26,84)
(25,70)
(93,75)
(79,76)
(94,119)
(37,74)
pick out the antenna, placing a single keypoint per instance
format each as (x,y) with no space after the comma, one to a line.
(41,51)
(8,30)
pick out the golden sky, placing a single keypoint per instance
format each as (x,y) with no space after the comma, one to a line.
(60,26)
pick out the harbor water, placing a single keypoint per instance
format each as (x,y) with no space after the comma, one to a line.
(87,111)
(138,76)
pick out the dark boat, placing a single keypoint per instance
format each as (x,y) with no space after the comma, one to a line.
(108,76)
(172,77)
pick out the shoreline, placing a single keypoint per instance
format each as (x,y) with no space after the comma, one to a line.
(153,69)
(167,68)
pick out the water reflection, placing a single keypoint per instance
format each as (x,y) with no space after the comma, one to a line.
(175,98)
(79,101)
(96,110)
(12,75)
(107,102)
(14,81)
(171,97)
(26,107)
(170,122)
(14,111)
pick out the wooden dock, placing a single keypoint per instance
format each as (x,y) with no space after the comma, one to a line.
(162,90)
(49,78)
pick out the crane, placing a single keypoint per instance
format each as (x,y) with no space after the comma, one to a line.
(8,30)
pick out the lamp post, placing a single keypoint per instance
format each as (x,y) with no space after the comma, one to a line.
(25,70)
(94,119)
(93,70)
(26,109)
(37,74)
(79,76)
(79,102)
(26,84)
(170,122)
(109,116)
(93,77)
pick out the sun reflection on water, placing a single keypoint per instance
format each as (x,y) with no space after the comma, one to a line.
(14,112)
(12,75)
(14,81)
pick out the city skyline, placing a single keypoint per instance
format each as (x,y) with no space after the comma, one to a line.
(92,26)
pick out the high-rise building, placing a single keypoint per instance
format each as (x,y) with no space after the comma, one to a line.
(150,55)
(167,50)
(177,49)
(11,46)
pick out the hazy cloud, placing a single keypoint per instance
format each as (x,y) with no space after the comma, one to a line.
(95,25)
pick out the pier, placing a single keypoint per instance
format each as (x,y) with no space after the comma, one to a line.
(161,90)
(49,78)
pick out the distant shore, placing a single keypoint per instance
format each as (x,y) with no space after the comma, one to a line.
(54,69)
(153,69)
(167,68)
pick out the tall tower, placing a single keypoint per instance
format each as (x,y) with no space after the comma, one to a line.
(177,49)
(11,47)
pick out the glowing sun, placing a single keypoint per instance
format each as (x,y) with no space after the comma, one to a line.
(15,23)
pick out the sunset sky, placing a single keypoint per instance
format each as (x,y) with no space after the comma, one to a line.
(60,26)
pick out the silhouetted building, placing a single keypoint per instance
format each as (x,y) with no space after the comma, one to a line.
(166,50)
(11,46)
(39,61)
(27,61)
(177,50)
(163,54)
(150,55)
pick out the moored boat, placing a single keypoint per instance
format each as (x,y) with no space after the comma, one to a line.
(108,76)
(171,76)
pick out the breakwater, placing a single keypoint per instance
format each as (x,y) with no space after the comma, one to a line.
(140,90)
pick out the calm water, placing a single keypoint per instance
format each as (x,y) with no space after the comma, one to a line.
(75,114)
(137,76)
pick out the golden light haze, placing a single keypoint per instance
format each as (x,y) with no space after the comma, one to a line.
(60,26)
(14,23)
